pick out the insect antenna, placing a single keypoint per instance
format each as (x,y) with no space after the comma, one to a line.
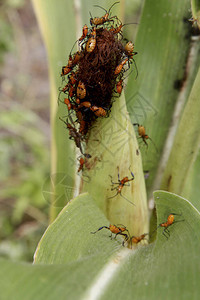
(153,144)
(122,197)
(100,7)
(73,47)
(127,200)
(135,68)
(112,6)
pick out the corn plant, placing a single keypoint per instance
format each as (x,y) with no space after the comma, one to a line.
(69,261)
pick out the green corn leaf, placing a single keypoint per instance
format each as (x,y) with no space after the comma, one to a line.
(191,188)
(57,24)
(69,237)
(162,43)
(165,269)
(185,151)
(100,268)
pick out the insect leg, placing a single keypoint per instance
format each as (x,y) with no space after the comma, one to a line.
(126,199)
(100,229)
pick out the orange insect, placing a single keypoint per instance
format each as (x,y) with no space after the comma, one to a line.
(75,135)
(142,134)
(118,29)
(116,230)
(71,91)
(82,122)
(86,104)
(77,101)
(76,58)
(102,20)
(68,103)
(66,88)
(120,66)
(129,48)
(120,184)
(70,62)
(137,239)
(66,70)
(81,90)
(72,78)
(170,221)
(85,32)
(81,164)
(91,43)
(99,111)
(119,86)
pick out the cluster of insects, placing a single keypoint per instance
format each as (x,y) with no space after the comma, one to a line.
(94,75)
(123,231)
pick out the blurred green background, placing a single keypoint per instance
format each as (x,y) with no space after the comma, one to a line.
(25,130)
(25,126)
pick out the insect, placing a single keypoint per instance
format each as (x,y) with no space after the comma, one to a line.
(120,66)
(76,58)
(63,90)
(129,48)
(85,32)
(119,86)
(118,29)
(71,91)
(72,62)
(137,239)
(81,90)
(77,101)
(83,125)
(66,70)
(120,184)
(117,230)
(68,103)
(76,136)
(98,111)
(195,21)
(72,78)
(91,43)
(170,221)
(100,21)
(81,164)
(142,134)
(86,104)
(66,88)
(146,174)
